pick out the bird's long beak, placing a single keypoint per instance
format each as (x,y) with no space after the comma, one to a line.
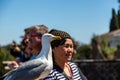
(57,38)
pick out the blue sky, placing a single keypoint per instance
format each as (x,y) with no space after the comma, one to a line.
(80,18)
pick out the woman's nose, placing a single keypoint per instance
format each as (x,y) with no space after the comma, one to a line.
(70,50)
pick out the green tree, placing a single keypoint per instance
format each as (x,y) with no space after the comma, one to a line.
(83,52)
(4,56)
(119,18)
(114,22)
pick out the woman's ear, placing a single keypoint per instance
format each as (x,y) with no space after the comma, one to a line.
(54,50)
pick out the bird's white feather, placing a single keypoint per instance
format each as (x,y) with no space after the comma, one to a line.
(37,68)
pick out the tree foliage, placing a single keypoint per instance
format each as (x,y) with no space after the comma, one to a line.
(83,52)
(114,21)
(4,56)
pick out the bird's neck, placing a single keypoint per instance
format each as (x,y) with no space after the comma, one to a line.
(49,55)
(46,52)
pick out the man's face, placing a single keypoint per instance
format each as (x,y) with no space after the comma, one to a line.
(34,42)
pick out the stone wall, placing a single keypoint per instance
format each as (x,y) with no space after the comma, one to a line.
(100,69)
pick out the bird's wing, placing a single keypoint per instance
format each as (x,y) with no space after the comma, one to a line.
(27,67)
(28,74)
(31,64)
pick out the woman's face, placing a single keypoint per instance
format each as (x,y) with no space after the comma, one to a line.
(64,52)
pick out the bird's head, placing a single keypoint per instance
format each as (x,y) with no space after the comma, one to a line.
(50,37)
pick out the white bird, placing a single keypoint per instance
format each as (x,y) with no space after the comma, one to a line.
(37,68)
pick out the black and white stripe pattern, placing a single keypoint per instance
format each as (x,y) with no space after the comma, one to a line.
(58,74)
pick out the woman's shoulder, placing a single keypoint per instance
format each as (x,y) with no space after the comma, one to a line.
(77,70)
(72,64)
(55,74)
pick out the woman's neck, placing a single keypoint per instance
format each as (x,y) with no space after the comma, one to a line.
(68,71)
(65,67)
(60,63)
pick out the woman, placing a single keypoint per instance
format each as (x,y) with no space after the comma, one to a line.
(63,50)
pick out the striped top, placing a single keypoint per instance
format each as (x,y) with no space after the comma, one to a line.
(58,74)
